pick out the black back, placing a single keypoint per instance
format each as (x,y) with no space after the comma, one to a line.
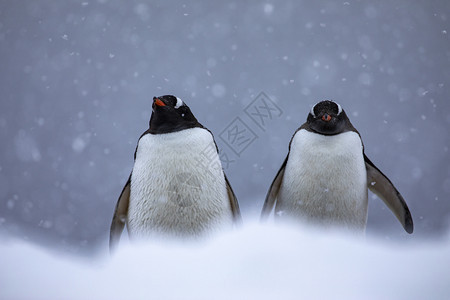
(169,117)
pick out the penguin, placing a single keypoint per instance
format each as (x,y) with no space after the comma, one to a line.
(177,187)
(325,177)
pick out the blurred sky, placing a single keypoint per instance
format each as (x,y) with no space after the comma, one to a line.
(77,79)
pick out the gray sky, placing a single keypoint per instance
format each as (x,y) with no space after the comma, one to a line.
(77,79)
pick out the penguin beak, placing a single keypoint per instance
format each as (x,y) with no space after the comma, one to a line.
(326,117)
(158,102)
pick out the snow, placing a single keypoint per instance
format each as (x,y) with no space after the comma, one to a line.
(26,147)
(253,262)
(268,8)
(78,144)
(365,79)
(218,90)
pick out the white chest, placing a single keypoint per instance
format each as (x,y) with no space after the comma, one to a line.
(177,186)
(325,180)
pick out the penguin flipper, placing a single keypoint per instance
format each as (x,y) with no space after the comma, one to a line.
(272,194)
(380,185)
(233,203)
(119,217)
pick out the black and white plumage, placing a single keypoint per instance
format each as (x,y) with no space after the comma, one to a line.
(325,177)
(177,186)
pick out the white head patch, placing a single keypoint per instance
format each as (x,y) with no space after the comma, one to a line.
(339,108)
(312,111)
(179,103)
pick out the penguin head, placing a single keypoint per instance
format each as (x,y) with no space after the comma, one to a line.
(328,118)
(171,114)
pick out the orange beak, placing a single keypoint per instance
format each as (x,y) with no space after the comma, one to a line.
(159,102)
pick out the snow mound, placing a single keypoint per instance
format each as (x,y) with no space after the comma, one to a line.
(253,262)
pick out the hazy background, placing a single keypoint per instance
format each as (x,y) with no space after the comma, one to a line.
(77,79)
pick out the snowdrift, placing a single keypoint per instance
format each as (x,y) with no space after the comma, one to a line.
(253,262)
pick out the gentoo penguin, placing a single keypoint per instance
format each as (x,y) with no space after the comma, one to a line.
(177,187)
(325,176)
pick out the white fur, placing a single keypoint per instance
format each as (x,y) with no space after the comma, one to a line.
(325,181)
(179,103)
(177,186)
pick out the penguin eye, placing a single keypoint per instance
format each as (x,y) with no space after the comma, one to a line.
(326,117)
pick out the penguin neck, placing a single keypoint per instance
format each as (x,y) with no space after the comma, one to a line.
(343,126)
(166,124)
